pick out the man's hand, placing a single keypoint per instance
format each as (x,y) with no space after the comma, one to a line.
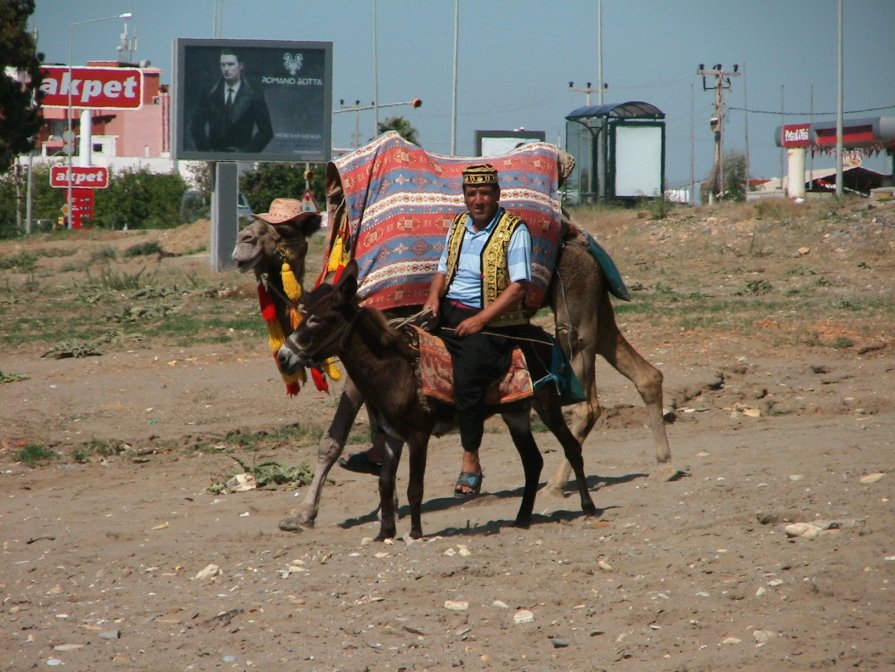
(471,325)
(433,301)
(510,297)
(431,307)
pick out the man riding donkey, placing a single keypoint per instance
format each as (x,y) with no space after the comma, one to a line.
(477,296)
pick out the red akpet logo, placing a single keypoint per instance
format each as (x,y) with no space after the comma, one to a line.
(84,177)
(92,88)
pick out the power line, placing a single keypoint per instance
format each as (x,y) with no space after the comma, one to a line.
(816,114)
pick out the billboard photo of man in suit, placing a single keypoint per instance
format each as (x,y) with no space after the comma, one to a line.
(233,115)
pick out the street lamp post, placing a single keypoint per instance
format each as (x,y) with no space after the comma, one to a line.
(70,141)
(357,108)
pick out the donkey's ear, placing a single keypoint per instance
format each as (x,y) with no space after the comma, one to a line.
(347,285)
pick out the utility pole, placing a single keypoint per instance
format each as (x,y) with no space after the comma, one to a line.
(722,84)
(588,90)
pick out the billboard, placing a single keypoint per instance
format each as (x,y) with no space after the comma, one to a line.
(89,87)
(638,151)
(252,100)
(498,143)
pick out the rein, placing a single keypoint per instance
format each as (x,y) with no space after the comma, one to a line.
(521,339)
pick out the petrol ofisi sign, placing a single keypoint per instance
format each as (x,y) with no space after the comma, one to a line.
(92,87)
(796,135)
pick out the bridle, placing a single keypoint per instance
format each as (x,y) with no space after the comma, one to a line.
(341,335)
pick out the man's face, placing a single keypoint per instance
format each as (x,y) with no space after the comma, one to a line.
(482,202)
(231,68)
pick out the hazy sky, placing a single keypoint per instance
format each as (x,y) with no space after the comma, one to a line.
(518,56)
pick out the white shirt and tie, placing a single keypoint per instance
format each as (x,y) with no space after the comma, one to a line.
(230,94)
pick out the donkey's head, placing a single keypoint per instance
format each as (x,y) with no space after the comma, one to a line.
(329,313)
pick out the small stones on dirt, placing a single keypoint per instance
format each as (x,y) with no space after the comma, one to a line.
(806,530)
(456,605)
(605,566)
(818,527)
(523,616)
(461,550)
(763,636)
(209,572)
(872,478)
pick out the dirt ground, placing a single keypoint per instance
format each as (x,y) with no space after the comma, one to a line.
(774,328)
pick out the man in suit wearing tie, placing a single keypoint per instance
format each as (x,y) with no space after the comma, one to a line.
(232,116)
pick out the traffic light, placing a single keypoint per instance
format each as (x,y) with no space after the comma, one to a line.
(417,102)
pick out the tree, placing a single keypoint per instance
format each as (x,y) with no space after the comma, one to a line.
(281,180)
(734,178)
(140,200)
(20,81)
(45,204)
(403,128)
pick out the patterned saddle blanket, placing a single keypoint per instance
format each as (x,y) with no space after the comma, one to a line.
(436,374)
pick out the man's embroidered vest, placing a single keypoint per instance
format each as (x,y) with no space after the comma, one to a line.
(495,269)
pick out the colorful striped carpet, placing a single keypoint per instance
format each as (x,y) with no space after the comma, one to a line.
(391,202)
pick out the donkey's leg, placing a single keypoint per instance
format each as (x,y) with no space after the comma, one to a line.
(388,502)
(519,424)
(418,444)
(328,452)
(549,409)
(616,350)
(582,354)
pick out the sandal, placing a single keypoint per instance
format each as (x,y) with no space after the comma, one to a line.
(470,480)
(361,463)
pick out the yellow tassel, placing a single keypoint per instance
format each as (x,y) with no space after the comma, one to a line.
(295,318)
(338,256)
(332,370)
(291,285)
(275,336)
(299,376)
(335,255)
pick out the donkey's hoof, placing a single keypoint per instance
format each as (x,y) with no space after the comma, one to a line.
(294,524)
(667,473)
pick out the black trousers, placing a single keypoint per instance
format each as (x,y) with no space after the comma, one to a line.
(478,360)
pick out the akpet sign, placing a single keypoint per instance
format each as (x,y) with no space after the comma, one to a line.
(80,177)
(92,87)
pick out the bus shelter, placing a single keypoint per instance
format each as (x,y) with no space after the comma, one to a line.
(619,149)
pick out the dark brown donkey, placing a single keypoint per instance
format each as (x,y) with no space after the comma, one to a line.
(383,366)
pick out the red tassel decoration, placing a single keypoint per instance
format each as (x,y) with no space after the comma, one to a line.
(320,380)
(268,309)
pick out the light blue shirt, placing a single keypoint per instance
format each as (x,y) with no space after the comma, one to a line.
(466,286)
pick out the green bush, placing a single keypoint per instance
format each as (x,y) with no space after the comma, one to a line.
(139,199)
